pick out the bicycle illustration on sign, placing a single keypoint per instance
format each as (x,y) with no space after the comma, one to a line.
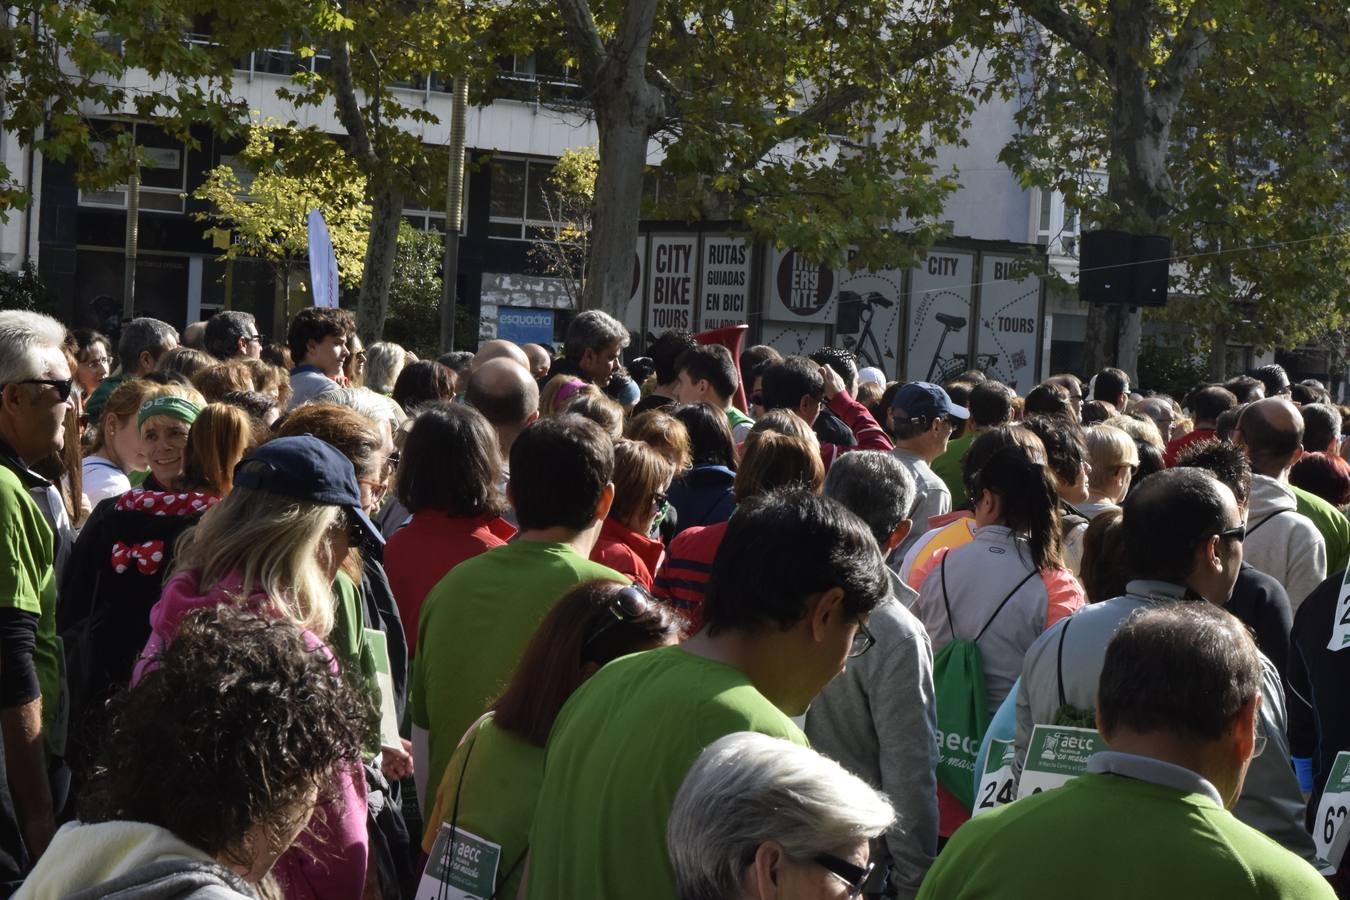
(856,314)
(945,368)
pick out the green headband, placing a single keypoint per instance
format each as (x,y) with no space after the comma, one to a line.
(173,407)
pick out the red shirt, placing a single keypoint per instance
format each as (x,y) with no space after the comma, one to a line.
(420,554)
(683,579)
(624,550)
(1176,445)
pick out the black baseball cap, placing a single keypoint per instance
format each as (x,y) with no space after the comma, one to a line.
(306,468)
(922,400)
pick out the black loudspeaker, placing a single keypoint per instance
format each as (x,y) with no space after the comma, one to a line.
(1128,269)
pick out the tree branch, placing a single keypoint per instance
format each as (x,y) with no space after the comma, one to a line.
(1189,52)
(584,38)
(348,110)
(1070,29)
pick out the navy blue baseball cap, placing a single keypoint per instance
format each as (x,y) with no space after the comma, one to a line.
(307,468)
(922,400)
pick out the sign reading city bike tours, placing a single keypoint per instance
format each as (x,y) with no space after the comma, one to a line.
(1010,321)
(672,264)
(937,342)
(464,868)
(1329,831)
(724,282)
(799,291)
(632,311)
(998,787)
(869,316)
(1055,755)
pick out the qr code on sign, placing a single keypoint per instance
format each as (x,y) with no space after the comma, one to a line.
(1018,359)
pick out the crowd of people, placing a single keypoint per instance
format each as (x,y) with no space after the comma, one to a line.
(312,619)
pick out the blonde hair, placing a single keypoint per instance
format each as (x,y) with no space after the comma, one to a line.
(276,544)
(222,378)
(1109,448)
(590,403)
(218,440)
(274,381)
(1141,429)
(640,472)
(548,395)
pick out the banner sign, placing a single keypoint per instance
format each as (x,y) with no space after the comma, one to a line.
(323,270)
(724,281)
(672,266)
(938,327)
(1010,321)
(799,291)
(632,311)
(869,317)
(525,326)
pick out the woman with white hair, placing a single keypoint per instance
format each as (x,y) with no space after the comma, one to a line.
(760,817)
(384,362)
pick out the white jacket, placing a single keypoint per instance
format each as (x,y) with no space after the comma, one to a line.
(1281,542)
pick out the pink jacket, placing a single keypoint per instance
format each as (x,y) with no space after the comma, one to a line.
(328,860)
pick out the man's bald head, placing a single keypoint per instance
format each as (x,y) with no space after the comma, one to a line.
(1272,431)
(499,349)
(541,359)
(504,392)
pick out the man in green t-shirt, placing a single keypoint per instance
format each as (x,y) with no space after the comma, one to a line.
(35,385)
(990,405)
(1178,704)
(707,374)
(476,621)
(792,584)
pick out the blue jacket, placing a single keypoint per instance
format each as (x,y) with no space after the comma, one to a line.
(703,496)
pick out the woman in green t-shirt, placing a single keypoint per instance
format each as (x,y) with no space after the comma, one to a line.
(491,783)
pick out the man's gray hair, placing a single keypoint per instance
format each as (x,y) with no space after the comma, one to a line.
(747,788)
(875,487)
(23,338)
(1321,425)
(593,330)
(140,335)
(224,330)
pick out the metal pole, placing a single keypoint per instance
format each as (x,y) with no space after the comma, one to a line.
(133,240)
(454,206)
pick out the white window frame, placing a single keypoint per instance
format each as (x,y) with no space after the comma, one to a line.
(1054,224)
(523,221)
(115,197)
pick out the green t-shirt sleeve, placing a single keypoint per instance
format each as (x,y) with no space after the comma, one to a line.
(24,539)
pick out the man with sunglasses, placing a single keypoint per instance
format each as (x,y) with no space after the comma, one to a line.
(794,580)
(1183,540)
(1180,703)
(35,386)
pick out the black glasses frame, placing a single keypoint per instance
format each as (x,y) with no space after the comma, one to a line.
(863,640)
(1237,533)
(855,876)
(63,385)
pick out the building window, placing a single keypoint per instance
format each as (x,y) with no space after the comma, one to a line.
(538,78)
(522,203)
(163,172)
(1057,223)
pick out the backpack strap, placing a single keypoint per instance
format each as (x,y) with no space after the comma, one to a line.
(1017,588)
(942,571)
(1251,528)
(1059,662)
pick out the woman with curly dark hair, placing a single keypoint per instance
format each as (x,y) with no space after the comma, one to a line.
(215,763)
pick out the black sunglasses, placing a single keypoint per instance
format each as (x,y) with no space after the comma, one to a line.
(63,385)
(1237,533)
(854,876)
(624,605)
(756,399)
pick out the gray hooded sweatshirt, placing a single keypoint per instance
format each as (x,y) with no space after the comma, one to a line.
(126,860)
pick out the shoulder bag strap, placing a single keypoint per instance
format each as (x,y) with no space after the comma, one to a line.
(942,573)
(1059,662)
(1017,588)
(454,811)
(1252,528)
